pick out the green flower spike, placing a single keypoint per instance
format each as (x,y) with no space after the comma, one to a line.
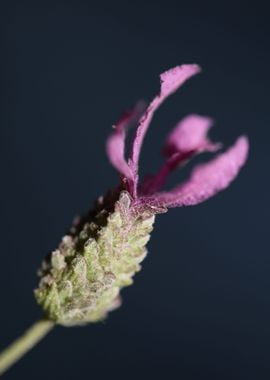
(80,282)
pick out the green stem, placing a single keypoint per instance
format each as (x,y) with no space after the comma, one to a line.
(24,344)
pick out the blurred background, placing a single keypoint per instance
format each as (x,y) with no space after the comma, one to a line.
(200,308)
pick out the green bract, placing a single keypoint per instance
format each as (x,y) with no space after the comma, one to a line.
(81,280)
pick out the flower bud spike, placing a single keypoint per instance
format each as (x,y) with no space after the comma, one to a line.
(81,280)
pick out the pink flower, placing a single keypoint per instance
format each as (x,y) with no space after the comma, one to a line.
(186,140)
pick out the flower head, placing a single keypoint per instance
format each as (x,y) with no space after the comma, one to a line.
(186,140)
(81,280)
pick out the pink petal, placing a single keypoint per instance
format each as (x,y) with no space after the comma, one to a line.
(188,138)
(206,180)
(115,144)
(115,147)
(190,135)
(171,80)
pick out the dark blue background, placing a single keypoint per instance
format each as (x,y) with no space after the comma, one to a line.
(200,308)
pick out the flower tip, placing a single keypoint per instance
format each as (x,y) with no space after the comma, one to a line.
(242,146)
(194,67)
(205,122)
(173,78)
(244,141)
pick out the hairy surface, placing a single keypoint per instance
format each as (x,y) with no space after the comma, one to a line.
(81,280)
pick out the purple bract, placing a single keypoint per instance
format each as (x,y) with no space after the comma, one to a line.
(186,140)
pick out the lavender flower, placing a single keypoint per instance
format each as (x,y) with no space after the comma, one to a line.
(80,281)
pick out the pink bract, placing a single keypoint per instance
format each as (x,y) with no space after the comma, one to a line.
(187,139)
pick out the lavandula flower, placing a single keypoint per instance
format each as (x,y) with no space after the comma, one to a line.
(80,281)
